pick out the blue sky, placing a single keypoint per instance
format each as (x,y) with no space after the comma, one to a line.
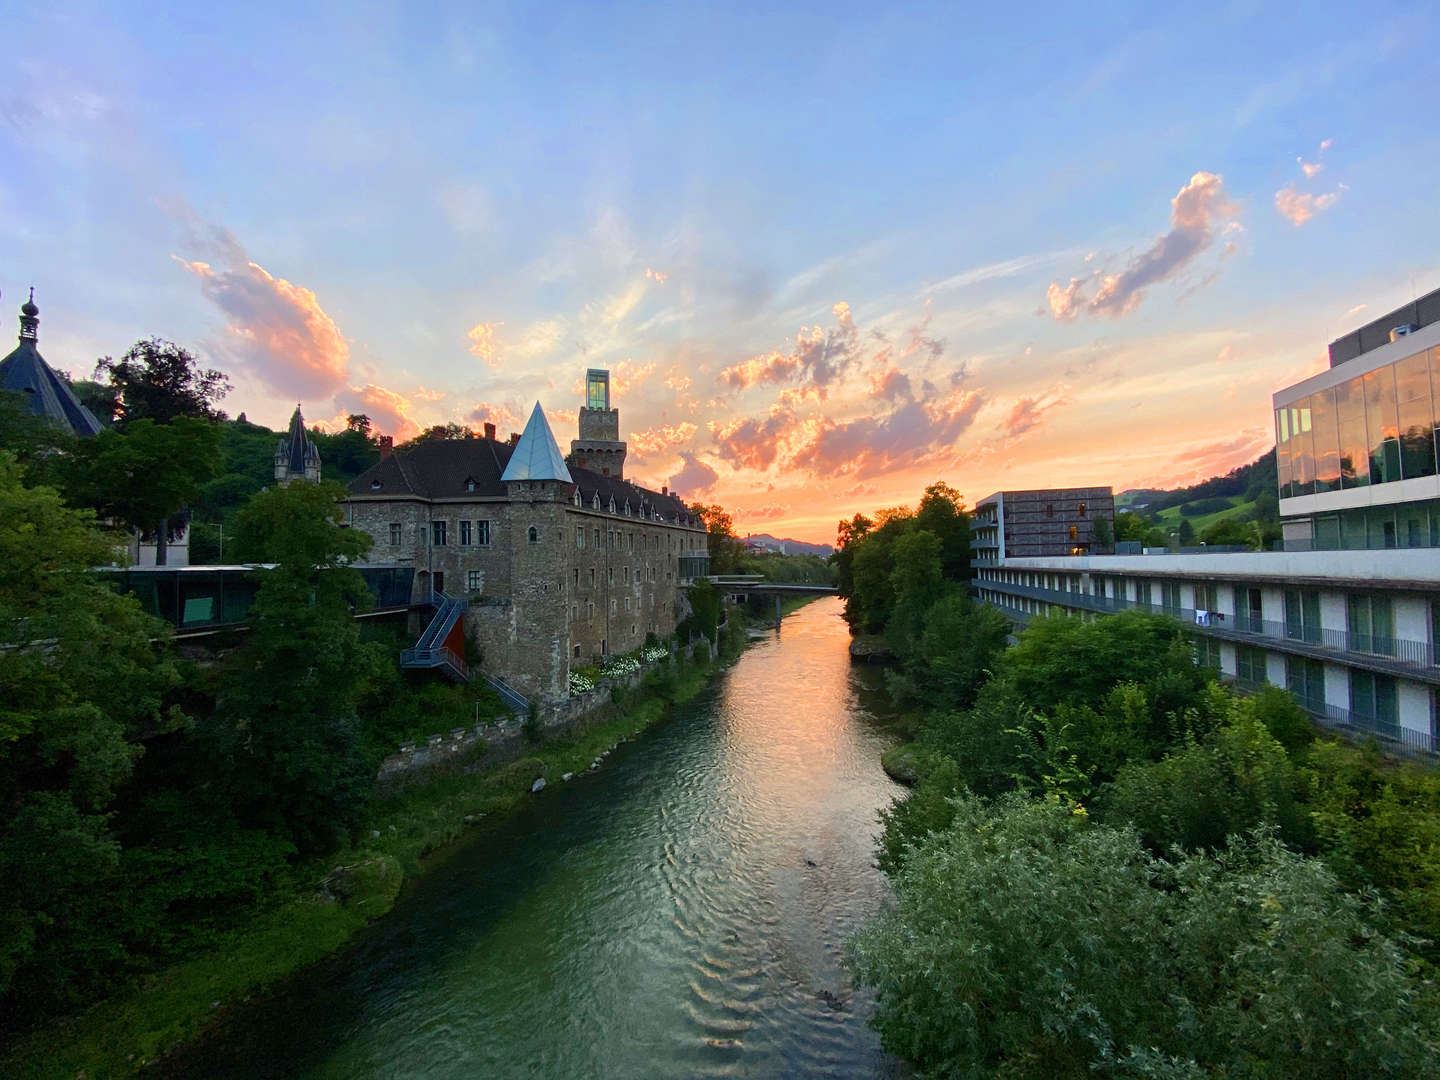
(831,253)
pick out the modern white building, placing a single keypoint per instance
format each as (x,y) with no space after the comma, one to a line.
(1347,616)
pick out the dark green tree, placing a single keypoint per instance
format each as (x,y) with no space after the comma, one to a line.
(82,682)
(285,742)
(144,474)
(724,546)
(160,381)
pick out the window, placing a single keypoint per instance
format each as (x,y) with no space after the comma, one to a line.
(1142,593)
(475,580)
(610,576)
(574,612)
(1250,665)
(592,577)
(397,534)
(437,533)
(1371,622)
(1080,510)
(1302,615)
(1247,610)
(577,577)
(576,652)
(467,533)
(597,538)
(579,536)
(1170,597)
(1372,699)
(532,534)
(589,609)
(482,533)
(612,605)
(1207,652)
(1206,597)
(1306,680)
(627,603)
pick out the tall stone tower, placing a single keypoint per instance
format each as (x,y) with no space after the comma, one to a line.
(296,456)
(599,448)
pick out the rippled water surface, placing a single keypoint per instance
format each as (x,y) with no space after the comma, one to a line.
(680,912)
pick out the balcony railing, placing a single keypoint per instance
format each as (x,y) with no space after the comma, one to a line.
(1380,651)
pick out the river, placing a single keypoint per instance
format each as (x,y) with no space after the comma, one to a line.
(678,912)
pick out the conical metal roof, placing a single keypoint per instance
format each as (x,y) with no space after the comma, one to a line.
(536,455)
(25,372)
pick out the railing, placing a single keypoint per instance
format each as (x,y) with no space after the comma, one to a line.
(440,656)
(1379,650)
(516,702)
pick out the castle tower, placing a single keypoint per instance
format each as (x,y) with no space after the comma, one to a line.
(296,456)
(599,448)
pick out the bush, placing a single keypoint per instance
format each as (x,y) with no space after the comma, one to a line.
(1026,941)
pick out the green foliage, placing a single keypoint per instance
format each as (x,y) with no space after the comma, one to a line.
(68,741)
(145,473)
(1236,778)
(1103,533)
(1027,942)
(945,666)
(725,548)
(285,735)
(704,618)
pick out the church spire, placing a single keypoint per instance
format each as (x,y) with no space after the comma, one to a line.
(296,456)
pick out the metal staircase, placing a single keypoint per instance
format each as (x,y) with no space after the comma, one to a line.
(431,651)
(516,702)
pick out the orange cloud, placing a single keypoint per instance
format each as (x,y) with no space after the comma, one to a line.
(694,478)
(819,356)
(762,513)
(643,444)
(656,276)
(275,329)
(482,341)
(389,410)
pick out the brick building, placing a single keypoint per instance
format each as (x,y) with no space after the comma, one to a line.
(560,564)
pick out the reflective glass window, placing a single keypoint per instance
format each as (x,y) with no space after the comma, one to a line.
(1282,450)
(1325,433)
(1354,443)
(1302,450)
(1416,419)
(1383,425)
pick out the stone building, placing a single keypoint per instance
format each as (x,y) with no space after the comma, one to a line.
(561,564)
(26,373)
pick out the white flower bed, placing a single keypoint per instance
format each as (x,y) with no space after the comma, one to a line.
(619,665)
(579,684)
(653,653)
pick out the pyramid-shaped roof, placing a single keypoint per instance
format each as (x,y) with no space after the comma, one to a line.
(25,372)
(297,448)
(536,455)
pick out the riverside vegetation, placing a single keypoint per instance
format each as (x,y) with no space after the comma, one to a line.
(1111,864)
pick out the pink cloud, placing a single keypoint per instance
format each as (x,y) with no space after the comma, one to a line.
(275,330)
(1196,215)
(762,513)
(694,478)
(751,442)
(890,384)
(819,356)
(1029,413)
(1298,207)
(483,343)
(910,434)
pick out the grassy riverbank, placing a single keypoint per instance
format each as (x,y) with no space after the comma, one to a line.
(327,902)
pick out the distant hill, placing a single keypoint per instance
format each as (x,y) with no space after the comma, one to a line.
(788,546)
(1248,483)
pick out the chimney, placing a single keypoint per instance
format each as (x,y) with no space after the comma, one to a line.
(514,437)
(490,432)
(387,446)
(664,490)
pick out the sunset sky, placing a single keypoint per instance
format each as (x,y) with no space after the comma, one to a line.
(829,255)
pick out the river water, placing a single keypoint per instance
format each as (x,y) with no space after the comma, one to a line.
(677,913)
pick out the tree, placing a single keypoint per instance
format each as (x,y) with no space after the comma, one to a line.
(160,381)
(848,535)
(284,742)
(81,684)
(143,475)
(1186,535)
(359,423)
(917,581)
(725,548)
(1026,942)
(942,512)
(451,430)
(1104,535)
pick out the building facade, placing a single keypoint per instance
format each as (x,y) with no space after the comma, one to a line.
(1044,521)
(561,565)
(1347,616)
(296,455)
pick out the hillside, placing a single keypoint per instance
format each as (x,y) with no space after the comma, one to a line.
(1217,510)
(788,546)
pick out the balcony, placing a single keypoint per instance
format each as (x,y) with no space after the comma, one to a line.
(1388,655)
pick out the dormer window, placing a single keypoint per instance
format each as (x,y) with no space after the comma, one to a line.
(469,483)
(612,504)
(595,501)
(375,485)
(627,507)
(577,500)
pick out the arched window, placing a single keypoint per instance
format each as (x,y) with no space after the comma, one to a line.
(533,535)
(578,500)
(595,501)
